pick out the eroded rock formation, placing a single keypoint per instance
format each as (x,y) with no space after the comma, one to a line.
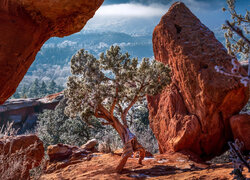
(23,112)
(240,125)
(26,25)
(63,155)
(19,154)
(61,152)
(193,113)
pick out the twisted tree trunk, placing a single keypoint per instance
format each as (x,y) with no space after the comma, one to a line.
(130,143)
(129,140)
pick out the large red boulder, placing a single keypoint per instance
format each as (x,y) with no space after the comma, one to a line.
(18,154)
(193,113)
(240,125)
(26,25)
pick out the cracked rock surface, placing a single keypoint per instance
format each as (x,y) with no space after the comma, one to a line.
(193,113)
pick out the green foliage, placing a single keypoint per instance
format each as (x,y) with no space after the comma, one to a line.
(113,79)
(23,92)
(54,127)
(37,89)
(52,87)
(236,45)
(34,89)
(43,89)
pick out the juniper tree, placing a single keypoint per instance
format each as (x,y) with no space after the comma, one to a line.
(237,32)
(234,44)
(237,42)
(108,87)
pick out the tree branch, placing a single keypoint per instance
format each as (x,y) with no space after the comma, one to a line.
(104,123)
(125,112)
(105,112)
(98,115)
(136,97)
(120,107)
(239,32)
(114,103)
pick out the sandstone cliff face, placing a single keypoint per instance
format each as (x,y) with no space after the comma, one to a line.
(23,112)
(26,25)
(193,113)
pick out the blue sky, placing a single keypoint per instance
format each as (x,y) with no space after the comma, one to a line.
(141,16)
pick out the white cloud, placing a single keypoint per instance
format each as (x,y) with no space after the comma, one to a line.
(66,43)
(102,45)
(131,10)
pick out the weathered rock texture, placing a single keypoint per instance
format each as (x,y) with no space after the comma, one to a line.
(27,24)
(90,145)
(23,112)
(61,152)
(63,155)
(19,154)
(193,113)
(240,125)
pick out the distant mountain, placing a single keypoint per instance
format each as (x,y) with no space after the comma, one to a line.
(52,61)
(58,51)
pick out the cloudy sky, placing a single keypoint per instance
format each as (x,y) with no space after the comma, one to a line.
(141,16)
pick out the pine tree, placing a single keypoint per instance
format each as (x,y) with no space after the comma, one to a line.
(52,87)
(34,89)
(92,93)
(43,90)
(23,93)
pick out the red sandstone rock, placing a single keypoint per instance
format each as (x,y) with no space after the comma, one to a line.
(60,152)
(26,151)
(26,25)
(23,112)
(193,113)
(63,155)
(135,155)
(90,145)
(240,125)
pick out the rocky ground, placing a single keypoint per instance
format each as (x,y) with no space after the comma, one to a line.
(162,166)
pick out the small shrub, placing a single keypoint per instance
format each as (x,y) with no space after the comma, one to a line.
(55,127)
(37,172)
(108,139)
(223,158)
(8,131)
(13,165)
